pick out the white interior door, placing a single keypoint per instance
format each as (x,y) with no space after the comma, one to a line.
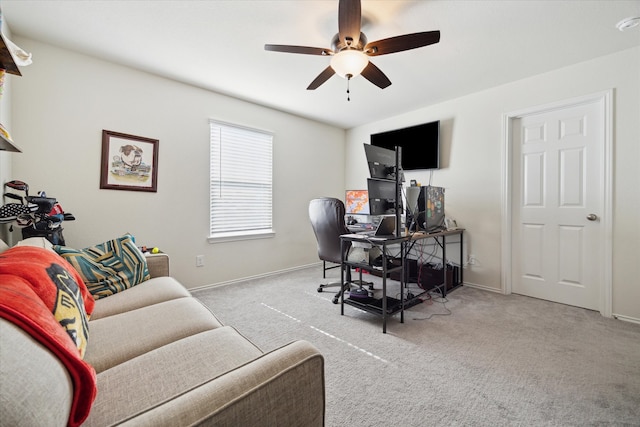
(557,204)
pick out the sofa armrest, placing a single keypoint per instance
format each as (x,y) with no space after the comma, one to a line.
(35,386)
(158,265)
(284,387)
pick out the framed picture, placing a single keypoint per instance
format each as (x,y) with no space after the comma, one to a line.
(129,162)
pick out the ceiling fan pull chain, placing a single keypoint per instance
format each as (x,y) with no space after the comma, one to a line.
(348,76)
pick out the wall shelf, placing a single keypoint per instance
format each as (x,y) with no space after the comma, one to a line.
(7,145)
(6,59)
(8,64)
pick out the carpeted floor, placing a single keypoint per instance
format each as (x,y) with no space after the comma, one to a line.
(480,358)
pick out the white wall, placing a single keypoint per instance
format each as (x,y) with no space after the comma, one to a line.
(472,142)
(64,100)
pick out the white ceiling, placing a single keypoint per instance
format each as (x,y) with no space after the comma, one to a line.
(219,45)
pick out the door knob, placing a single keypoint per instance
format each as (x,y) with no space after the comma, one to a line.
(592,217)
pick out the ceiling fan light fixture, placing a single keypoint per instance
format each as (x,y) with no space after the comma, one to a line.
(349,62)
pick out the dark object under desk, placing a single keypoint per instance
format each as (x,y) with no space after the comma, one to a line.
(448,282)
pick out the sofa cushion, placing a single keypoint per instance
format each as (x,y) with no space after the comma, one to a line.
(152,291)
(121,337)
(284,387)
(109,267)
(168,372)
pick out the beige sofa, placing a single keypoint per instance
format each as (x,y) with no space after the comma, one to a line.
(163,359)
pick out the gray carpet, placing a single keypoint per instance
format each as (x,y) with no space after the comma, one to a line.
(495,360)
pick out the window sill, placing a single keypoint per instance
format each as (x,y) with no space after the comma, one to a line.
(233,237)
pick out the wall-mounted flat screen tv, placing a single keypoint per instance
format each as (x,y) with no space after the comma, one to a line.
(420,145)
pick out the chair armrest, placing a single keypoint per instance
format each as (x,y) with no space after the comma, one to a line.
(158,265)
(281,388)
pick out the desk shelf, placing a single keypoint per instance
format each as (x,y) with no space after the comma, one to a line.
(393,305)
(374,305)
(371,306)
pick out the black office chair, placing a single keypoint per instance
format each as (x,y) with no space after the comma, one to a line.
(327,219)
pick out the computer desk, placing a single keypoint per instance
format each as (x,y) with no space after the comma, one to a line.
(406,242)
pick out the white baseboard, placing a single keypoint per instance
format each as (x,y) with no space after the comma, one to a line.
(626,318)
(302,267)
(259,276)
(483,287)
(615,316)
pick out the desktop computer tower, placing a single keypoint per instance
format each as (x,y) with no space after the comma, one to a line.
(428,205)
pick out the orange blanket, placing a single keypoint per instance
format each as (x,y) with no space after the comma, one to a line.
(42,294)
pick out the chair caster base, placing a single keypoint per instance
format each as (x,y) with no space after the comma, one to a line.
(336,300)
(319,289)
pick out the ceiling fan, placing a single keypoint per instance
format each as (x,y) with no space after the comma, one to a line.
(350,50)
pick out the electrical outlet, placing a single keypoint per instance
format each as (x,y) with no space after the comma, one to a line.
(472,260)
(199,260)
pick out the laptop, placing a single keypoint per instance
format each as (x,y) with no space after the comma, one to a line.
(385,228)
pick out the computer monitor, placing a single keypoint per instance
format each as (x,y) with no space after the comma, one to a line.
(357,202)
(382,162)
(382,196)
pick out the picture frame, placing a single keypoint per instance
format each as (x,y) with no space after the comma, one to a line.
(129,162)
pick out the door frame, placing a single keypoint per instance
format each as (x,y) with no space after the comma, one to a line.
(606,234)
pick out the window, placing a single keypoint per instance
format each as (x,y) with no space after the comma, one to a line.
(240,183)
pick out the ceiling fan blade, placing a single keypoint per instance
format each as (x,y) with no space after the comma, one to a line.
(349,21)
(322,77)
(375,76)
(298,49)
(400,43)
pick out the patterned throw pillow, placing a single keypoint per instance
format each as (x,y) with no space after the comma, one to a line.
(109,267)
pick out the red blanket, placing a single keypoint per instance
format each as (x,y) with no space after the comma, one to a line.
(42,294)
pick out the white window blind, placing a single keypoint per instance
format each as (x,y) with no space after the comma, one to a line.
(240,182)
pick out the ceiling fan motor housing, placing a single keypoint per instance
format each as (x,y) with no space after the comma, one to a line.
(337,45)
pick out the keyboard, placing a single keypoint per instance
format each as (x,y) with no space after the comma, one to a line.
(361,227)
